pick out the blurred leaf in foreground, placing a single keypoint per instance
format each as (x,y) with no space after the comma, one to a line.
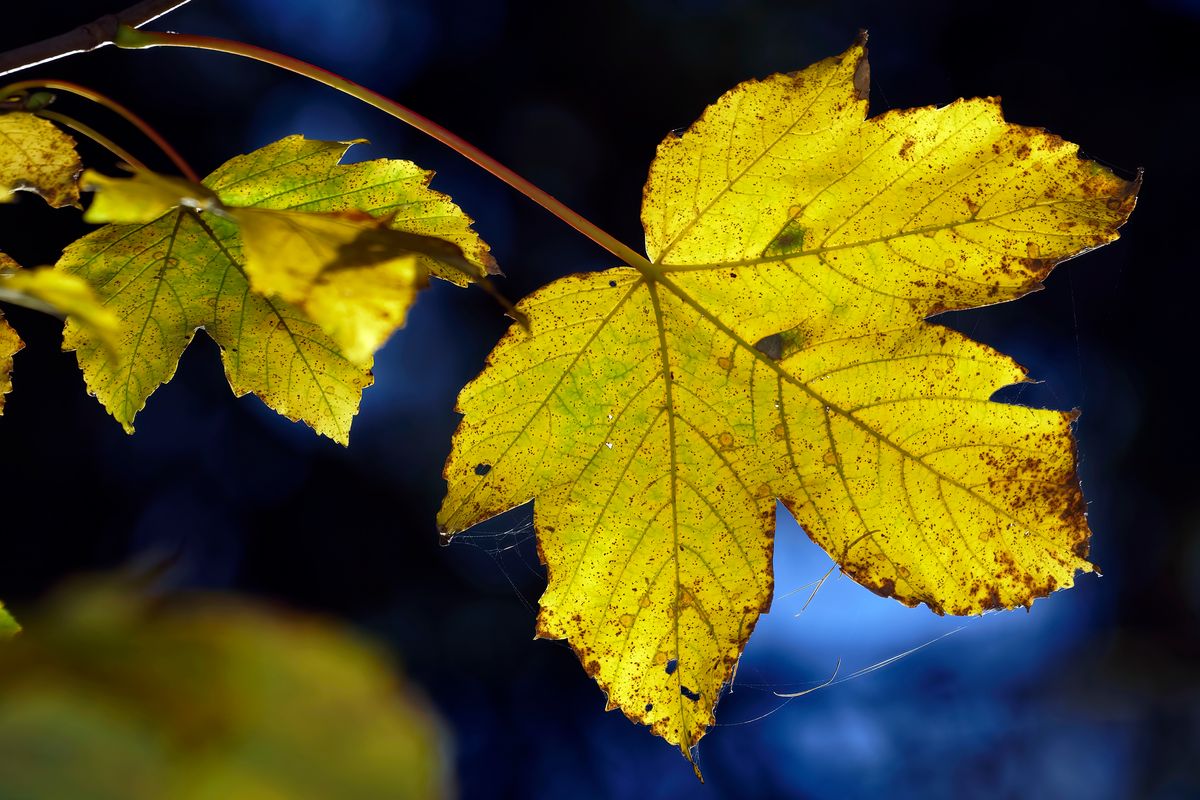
(8,625)
(108,696)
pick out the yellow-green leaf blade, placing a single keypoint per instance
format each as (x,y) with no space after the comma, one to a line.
(895,217)
(306,175)
(917,484)
(10,345)
(141,198)
(36,156)
(47,289)
(352,276)
(743,143)
(777,349)
(168,278)
(652,516)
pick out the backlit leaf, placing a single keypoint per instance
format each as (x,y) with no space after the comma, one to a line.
(10,345)
(194,267)
(109,697)
(776,348)
(36,156)
(142,198)
(52,292)
(353,276)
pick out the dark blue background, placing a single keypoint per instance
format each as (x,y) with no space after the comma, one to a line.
(1094,694)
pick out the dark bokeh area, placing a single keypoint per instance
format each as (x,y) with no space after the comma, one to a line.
(1095,693)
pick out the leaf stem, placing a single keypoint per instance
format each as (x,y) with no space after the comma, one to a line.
(94,135)
(86,37)
(130,38)
(113,106)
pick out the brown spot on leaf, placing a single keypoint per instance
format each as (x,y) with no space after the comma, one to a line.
(770,346)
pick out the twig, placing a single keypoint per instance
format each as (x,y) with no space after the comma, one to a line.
(86,37)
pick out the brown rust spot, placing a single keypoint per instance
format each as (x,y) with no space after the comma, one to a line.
(885,587)
(992,600)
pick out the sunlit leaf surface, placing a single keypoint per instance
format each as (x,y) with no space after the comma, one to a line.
(35,156)
(297,266)
(777,349)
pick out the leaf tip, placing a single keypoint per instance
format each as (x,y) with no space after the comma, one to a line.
(862,72)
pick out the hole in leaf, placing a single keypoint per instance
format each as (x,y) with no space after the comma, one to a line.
(671,666)
(689,694)
(482,469)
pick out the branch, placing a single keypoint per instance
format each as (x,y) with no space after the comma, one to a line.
(86,37)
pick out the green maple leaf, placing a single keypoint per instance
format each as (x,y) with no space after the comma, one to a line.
(268,256)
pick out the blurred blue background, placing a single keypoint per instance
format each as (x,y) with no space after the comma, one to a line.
(1095,693)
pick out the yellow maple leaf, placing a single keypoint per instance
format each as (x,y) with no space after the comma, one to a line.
(10,345)
(143,197)
(36,156)
(353,275)
(774,347)
(299,267)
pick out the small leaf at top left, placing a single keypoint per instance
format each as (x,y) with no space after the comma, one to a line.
(298,266)
(36,156)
